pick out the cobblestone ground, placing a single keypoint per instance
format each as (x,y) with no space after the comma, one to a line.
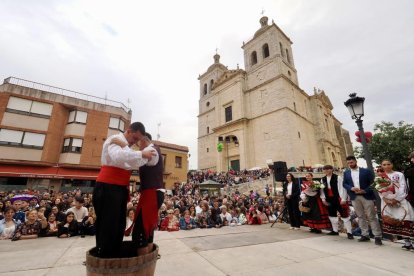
(242,250)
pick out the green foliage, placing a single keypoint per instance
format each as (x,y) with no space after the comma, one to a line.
(391,142)
(220,147)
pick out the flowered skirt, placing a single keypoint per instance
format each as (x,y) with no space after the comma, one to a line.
(406,229)
(318,217)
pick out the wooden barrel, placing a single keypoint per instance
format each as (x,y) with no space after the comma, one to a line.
(130,265)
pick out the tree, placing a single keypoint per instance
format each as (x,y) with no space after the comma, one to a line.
(391,142)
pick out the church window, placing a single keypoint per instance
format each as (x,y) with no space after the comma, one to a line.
(211,84)
(294,106)
(208,104)
(265,50)
(299,134)
(208,149)
(253,58)
(205,89)
(287,56)
(228,113)
(290,74)
(281,49)
(208,130)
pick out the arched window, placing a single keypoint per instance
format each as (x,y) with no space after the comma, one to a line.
(253,58)
(211,84)
(208,130)
(281,49)
(294,106)
(205,89)
(265,50)
(287,56)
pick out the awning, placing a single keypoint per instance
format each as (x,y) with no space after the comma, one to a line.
(47,172)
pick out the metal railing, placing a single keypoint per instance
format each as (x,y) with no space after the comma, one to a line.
(63,92)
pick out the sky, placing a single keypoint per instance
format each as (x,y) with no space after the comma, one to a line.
(150,53)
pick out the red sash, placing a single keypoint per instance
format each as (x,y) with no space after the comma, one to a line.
(330,193)
(114,175)
(148,207)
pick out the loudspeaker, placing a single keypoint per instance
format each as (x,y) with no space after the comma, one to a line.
(280,170)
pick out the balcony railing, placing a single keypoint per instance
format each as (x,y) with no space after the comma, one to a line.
(63,92)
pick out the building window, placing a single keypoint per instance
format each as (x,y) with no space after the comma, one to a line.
(287,56)
(116,123)
(208,149)
(290,74)
(205,89)
(22,139)
(72,145)
(228,114)
(299,134)
(294,106)
(208,130)
(77,116)
(208,104)
(265,50)
(178,162)
(281,49)
(211,84)
(28,107)
(253,58)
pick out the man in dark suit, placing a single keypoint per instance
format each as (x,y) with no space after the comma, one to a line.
(357,182)
(409,176)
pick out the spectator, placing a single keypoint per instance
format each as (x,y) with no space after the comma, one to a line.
(8,224)
(58,215)
(242,215)
(69,227)
(34,227)
(53,225)
(262,215)
(19,215)
(78,210)
(2,208)
(130,219)
(186,222)
(88,223)
(204,217)
(170,223)
(225,216)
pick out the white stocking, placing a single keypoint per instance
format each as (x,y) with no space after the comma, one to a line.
(334,222)
(347,224)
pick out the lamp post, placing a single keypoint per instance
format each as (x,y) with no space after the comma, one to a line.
(355,106)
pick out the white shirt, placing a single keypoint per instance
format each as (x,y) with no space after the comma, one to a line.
(341,190)
(79,213)
(154,158)
(124,158)
(355,177)
(289,188)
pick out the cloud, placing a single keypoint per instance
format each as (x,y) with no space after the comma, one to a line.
(152,52)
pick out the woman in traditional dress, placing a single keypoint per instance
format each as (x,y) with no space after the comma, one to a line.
(395,205)
(317,218)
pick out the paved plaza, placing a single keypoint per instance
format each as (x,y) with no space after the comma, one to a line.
(242,250)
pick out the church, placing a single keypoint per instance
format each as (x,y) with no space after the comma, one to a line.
(248,118)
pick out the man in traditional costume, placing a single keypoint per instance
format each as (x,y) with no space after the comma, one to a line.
(111,191)
(334,196)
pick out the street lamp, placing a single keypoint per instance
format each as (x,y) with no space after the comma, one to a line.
(355,106)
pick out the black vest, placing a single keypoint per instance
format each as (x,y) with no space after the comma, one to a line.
(333,183)
(151,177)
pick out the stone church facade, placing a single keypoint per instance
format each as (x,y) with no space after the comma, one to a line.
(262,114)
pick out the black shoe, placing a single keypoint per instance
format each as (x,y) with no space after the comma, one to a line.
(312,230)
(333,233)
(407,246)
(82,236)
(350,236)
(378,241)
(317,231)
(364,239)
